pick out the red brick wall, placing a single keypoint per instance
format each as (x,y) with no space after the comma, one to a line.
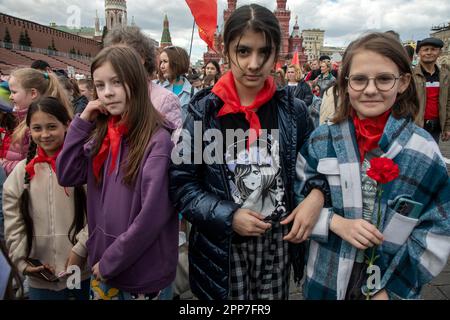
(41,36)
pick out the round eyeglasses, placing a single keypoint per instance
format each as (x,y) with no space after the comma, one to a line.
(383,82)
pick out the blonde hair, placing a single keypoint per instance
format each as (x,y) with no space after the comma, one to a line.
(47,85)
(298,72)
(327,63)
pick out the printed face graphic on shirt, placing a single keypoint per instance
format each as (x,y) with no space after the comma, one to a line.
(252,180)
(256,181)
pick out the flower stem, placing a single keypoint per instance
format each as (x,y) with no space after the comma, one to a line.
(372,256)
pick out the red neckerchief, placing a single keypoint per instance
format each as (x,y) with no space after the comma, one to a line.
(225,89)
(42,157)
(369,131)
(111,141)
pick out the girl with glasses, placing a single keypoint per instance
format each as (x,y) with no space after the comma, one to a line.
(375,118)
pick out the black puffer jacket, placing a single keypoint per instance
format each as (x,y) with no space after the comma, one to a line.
(201,192)
(303,92)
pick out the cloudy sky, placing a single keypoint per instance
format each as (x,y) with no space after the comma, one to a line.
(343,20)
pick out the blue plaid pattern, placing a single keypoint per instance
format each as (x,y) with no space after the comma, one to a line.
(415,250)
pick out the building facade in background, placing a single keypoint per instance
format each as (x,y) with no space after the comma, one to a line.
(313,41)
(46,37)
(443,32)
(115,13)
(289,42)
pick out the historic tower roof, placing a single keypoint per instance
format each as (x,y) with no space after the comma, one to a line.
(296,31)
(281,4)
(289,41)
(229,10)
(115,13)
(166,40)
(97,32)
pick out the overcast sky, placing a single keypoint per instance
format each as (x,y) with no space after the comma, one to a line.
(343,20)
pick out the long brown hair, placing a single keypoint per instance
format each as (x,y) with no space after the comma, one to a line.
(407,103)
(140,117)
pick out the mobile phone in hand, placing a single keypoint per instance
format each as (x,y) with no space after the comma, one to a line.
(45,273)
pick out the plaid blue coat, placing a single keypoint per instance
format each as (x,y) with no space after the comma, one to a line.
(414,250)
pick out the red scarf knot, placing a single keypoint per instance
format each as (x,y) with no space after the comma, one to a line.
(111,142)
(369,131)
(40,158)
(225,89)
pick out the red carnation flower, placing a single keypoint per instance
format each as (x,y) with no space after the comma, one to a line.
(383,170)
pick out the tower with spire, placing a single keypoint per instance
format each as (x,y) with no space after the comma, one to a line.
(97,32)
(166,40)
(214,54)
(227,12)
(284,16)
(115,13)
(289,43)
(296,43)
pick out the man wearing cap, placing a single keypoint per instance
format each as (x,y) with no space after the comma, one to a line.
(433,86)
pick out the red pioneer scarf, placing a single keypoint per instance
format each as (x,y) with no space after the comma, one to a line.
(42,157)
(369,131)
(225,89)
(111,141)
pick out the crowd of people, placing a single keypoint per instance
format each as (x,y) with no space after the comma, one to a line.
(91,177)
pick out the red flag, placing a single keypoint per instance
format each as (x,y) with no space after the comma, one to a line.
(278,66)
(295,60)
(205,15)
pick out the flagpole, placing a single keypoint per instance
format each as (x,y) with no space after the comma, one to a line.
(192,38)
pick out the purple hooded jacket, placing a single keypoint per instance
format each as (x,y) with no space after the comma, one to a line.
(133,232)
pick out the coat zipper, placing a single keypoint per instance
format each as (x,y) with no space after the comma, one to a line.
(52,211)
(215,125)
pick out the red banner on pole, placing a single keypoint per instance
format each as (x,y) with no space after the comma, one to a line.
(205,15)
(295,60)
